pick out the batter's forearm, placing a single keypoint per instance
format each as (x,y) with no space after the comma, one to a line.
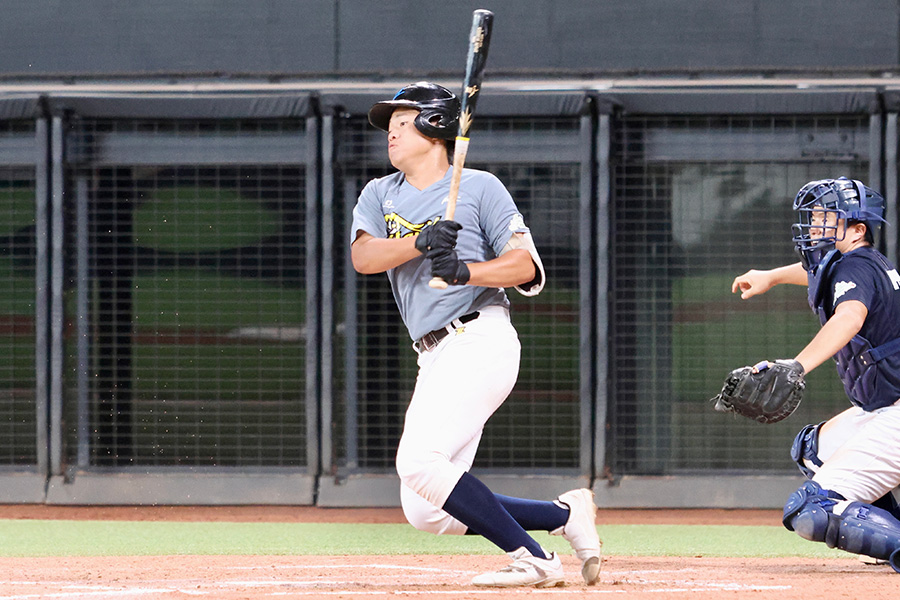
(513,268)
(376,255)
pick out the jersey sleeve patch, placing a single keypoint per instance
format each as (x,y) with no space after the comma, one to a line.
(841,288)
(517,223)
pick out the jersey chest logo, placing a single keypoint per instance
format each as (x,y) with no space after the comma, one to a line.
(398,227)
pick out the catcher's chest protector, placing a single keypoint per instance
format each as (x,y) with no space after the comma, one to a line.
(870,378)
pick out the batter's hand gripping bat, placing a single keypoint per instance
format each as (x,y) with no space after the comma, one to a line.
(479,41)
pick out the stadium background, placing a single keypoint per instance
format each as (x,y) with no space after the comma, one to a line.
(178,320)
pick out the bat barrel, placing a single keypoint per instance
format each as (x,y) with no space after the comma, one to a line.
(479,44)
(476,58)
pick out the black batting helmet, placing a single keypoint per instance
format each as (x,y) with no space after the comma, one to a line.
(431,100)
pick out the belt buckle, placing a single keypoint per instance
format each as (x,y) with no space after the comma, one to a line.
(424,346)
(425,342)
(430,340)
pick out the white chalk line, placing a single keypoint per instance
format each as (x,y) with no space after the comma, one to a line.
(124,593)
(116,593)
(313,586)
(368,566)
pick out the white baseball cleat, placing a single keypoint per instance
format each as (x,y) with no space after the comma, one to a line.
(581,531)
(525,570)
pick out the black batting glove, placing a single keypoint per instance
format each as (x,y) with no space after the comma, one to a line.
(439,236)
(446,264)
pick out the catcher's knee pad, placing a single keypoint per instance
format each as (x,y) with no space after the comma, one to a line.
(860,528)
(808,512)
(805,449)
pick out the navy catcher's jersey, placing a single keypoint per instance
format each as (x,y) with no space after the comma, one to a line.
(867,276)
(390,207)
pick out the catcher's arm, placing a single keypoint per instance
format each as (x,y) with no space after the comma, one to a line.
(753,282)
(847,320)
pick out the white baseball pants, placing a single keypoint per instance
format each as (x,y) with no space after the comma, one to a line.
(461,382)
(860,452)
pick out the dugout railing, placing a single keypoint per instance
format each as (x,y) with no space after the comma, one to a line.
(179,321)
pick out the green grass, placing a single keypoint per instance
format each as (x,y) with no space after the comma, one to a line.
(118,538)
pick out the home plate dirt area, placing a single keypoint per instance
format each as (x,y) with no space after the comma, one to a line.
(437,577)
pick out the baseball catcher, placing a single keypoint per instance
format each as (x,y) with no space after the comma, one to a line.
(852,461)
(767,392)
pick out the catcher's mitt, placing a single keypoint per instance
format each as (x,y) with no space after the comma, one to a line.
(767,392)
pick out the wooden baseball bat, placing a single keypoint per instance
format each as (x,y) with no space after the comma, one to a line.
(479,42)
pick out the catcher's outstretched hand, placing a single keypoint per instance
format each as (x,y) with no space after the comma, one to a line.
(767,392)
(752,283)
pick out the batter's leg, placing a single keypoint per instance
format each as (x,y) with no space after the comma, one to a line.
(425,516)
(453,399)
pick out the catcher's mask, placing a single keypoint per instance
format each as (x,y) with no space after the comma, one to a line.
(438,109)
(820,206)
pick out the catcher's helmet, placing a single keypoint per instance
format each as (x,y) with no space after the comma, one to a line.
(431,100)
(818,200)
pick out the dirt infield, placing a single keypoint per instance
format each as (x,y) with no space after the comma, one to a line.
(433,577)
(383,577)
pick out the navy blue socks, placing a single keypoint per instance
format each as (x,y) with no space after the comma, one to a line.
(472,503)
(534,515)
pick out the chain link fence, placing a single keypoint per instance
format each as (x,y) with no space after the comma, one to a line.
(207,317)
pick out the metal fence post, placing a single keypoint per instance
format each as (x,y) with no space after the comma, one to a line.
(42,293)
(82,316)
(57,237)
(601,304)
(315,265)
(326,444)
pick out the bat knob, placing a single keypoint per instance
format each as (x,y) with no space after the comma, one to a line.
(437,283)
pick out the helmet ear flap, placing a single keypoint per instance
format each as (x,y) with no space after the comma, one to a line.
(436,123)
(431,100)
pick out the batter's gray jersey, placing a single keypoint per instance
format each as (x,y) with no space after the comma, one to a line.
(390,207)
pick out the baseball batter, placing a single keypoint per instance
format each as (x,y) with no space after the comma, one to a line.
(852,460)
(468,351)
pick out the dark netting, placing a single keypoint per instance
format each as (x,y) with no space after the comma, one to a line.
(187,247)
(696,202)
(17,295)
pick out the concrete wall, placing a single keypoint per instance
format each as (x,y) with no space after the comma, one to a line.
(43,38)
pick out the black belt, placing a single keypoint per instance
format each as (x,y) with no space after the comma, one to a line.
(431,339)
